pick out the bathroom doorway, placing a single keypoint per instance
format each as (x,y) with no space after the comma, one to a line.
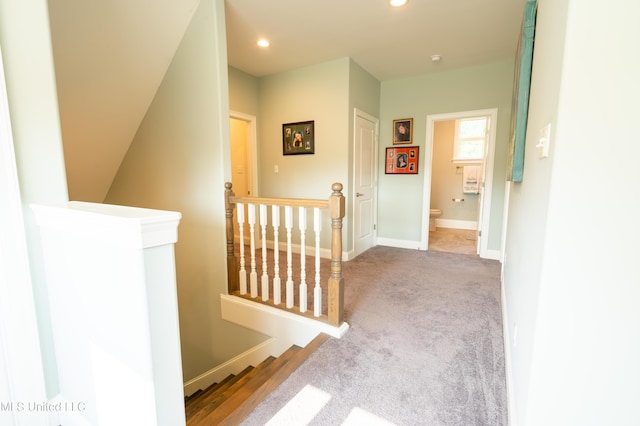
(464,212)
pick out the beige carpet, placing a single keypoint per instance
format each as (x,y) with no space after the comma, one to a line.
(424,348)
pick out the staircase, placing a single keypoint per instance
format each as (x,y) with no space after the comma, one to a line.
(231,400)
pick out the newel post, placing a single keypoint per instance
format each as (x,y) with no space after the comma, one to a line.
(232,261)
(336,281)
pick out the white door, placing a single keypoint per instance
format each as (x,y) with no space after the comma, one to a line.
(364,188)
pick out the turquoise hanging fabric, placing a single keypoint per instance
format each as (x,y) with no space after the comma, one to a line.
(522,85)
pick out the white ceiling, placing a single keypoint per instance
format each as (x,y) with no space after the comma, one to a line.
(111,56)
(388,42)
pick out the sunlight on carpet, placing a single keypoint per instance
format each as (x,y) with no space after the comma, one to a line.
(359,417)
(302,408)
(307,404)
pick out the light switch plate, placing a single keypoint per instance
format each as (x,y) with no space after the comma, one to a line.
(544,141)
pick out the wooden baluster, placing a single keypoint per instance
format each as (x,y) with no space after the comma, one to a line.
(243,272)
(253,276)
(288,223)
(232,262)
(317,290)
(275,222)
(302,225)
(265,277)
(336,280)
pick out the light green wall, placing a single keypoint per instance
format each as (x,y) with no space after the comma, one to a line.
(243,92)
(474,88)
(446,177)
(326,93)
(320,93)
(31,88)
(179,160)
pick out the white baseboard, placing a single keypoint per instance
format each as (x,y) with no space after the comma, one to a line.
(507,359)
(285,328)
(492,254)
(392,242)
(253,356)
(457,224)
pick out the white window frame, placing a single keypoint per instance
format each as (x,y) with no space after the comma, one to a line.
(457,140)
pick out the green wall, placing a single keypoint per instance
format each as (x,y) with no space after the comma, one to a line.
(319,93)
(243,92)
(473,88)
(179,160)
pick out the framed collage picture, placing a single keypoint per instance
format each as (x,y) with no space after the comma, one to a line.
(298,138)
(401,160)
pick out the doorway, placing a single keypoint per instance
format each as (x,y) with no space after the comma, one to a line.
(244,169)
(480,203)
(365,172)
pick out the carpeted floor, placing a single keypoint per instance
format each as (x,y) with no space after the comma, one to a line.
(424,348)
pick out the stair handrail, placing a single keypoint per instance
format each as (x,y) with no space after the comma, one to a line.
(335,204)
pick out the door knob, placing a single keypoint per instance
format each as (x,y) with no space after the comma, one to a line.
(359,194)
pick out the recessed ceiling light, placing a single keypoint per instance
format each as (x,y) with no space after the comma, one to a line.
(263,42)
(397,3)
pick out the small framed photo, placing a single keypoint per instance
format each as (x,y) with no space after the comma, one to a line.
(298,138)
(401,160)
(403,131)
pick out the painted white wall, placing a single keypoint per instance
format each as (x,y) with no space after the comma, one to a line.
(111,274)
(571,277)
(31,90)
(21,375)
(179,161)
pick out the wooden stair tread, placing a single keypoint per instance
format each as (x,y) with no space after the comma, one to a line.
(244,395)
(211,395)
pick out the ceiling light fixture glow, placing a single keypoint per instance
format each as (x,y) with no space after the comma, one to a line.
(397,3)
(263,42)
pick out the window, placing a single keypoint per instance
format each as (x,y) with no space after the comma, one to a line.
(469,140)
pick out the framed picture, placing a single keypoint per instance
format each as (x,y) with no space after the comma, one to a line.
(401,160)
(403,131)
(298,138)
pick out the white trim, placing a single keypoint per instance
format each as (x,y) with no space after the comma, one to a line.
(131,227)
(20,353)
(492,255)
(426,199)
(392,242)
(511,400)
(253,356)
(470,225)
(252,149)
(359,113)
(284,328)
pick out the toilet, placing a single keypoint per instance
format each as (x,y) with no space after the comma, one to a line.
(433,214)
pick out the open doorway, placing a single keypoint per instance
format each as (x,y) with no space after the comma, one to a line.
(449,201)
(244,170)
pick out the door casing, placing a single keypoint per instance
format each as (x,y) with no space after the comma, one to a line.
(374,178)
(485,212)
